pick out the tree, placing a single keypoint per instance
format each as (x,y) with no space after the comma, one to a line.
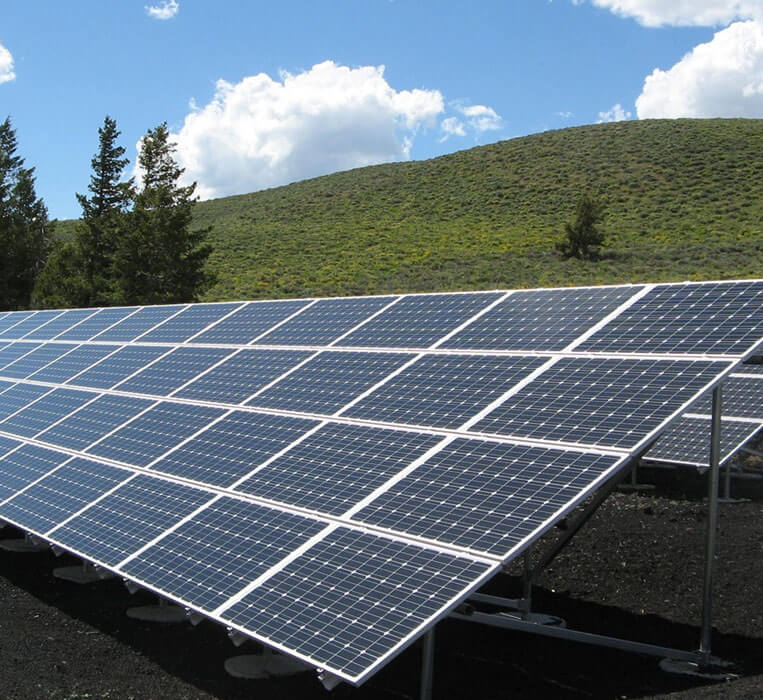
(25,232)
(161,259)
(582,237)
(103,216)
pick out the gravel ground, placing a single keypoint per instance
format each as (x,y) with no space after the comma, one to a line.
(634,570)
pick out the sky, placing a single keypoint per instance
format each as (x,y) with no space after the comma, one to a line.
(258,95)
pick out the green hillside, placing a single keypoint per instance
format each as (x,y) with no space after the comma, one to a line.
(684,201)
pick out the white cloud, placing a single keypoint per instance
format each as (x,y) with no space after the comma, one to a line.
(698,13)
(721,78)
(452,126)
(6,65)
(474,118)
(164,10)
(564,115)
(616,114)
(262,132)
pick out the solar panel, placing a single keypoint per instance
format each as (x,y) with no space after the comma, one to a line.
(348,480)
(742,398)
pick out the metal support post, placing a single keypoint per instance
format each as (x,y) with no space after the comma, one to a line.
(527,583)
(427,665)
(712,527)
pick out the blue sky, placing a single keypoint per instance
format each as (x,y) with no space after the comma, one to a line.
(259,94)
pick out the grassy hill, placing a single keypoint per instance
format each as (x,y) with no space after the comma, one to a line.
(684,201)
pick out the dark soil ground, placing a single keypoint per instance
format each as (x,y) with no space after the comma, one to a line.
(634,570)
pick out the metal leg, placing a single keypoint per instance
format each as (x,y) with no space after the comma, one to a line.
(712,527)
(527,583)
(427,665)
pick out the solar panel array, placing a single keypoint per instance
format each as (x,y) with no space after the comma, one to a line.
(332,476)
(686,442)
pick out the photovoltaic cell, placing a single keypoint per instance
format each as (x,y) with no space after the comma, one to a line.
(27,464)
(36,359)
(11,319)
(233,447)
(6,445)
(74,362)
(97,323)
(47,410)
(187,323)
(328,381)
(18,396)
(420,320)
(742,397)
(138,323)
(251,320)
(150,435)
(30,323)
(351,598)
(325,321)
(11,353)
(208,559)
(337,466)
(114,369)
(720,318)
(60,324)
(548,319)
(688,441)
(92,422)
(485,496)
(128,518)
(749,368)
(242,374)
(172,371)
(61,494)
(607,402)
(444,390)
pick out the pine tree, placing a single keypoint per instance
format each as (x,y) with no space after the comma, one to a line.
(103,216)
(161,260)
(582,237)
(25,232)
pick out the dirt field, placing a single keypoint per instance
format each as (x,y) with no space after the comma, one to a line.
(635,570)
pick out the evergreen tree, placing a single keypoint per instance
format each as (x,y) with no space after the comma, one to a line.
(103,217)
(582,237)
(161,260)
(25,232)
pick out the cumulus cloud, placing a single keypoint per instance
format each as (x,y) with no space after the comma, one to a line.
(698,13)
(164,10)
(263,132)
(6,65)
(721,78)
(474,118)
(616,114)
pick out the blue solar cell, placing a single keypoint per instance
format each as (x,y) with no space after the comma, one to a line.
(18,396)
(60,324)
(138,323)
(444,390)
(128,518)
(114,369)
(242,374)
(329,381)
(97,323)
(45,411)
(150,435)
(545,319)
(6,445)
(708,318)
(188,323)
(12,319)
(27,464)
(37,359)
(206,560)
(251,320)
(29,323)
(605,402)
(61,494)
(233,447)
(325,321)
(11,353)
(6,385)
(72,363)
(485,496)
(352,598)
(337,466)
(171,372)
(418,321)
(92,422)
